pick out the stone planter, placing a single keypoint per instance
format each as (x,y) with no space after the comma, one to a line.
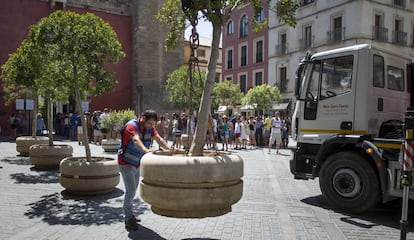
(46,156)
(111,145)
(184,186)
(23,143)
(99,176)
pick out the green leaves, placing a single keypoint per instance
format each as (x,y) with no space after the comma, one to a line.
(178,87)
(262,96)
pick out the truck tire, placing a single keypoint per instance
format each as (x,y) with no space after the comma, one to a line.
(348,182)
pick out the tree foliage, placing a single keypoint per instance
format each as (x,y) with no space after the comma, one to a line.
(65,54)
(262,97)
(178,87)
(175,13)
(226,93)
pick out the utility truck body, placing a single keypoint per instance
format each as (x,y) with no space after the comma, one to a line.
(348,124)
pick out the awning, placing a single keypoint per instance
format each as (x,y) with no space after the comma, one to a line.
(280,106)
(247,107)
(221,109)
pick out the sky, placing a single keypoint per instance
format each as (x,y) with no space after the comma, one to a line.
(204,29)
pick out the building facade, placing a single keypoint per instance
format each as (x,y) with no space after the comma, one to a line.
(323,25)
(244,52)
(141,74)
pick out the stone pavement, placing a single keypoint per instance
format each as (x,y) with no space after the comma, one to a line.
(274,206)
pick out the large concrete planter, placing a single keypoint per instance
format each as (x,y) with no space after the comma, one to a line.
(184,186)
(46,156)
(99,176)
(111,145)
(23,143)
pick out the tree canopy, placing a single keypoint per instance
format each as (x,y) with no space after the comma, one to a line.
(178,87)
(226,93)
(262,97)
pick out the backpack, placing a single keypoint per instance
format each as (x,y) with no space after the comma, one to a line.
(180,124)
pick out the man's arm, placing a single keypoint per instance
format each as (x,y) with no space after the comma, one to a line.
(137,142)
(161,141)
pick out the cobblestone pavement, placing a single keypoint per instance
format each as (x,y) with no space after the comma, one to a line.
(274,206)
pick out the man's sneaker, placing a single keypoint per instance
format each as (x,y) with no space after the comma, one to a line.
(131,224)
(137,219)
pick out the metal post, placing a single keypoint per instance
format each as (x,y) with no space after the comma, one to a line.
(406,178)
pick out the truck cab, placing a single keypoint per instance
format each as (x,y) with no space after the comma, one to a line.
(349,100)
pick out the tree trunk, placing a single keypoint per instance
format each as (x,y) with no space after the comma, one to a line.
(85,139)
(50,121)
(206,99)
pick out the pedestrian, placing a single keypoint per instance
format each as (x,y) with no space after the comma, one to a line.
(97,133)
(14,122)
(259,131)
(177,127)
(40,125)
(224,131)
(275,132)
(136,139)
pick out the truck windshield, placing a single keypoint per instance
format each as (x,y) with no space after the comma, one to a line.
(330,77)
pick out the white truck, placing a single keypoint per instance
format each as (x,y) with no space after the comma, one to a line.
(349,124)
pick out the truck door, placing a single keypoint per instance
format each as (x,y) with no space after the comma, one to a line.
(329,100)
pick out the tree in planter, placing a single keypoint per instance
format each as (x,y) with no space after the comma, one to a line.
(174,13)
(79,47)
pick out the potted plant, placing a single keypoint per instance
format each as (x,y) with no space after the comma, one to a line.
(113,123)
(75,50)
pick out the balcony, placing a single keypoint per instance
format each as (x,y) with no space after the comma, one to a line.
(281,49)
(335,35)
(305,44)
(380,33)
(399,38)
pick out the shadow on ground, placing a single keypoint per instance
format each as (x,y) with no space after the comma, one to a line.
(17,160)
(144,233)
(36,177)
(68,209)
(387,214)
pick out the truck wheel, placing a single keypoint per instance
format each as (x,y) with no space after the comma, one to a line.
(348,182)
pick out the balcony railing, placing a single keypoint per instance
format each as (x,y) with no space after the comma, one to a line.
(281,49)
(335,35)
(380,33)
(399,38)
(305,44)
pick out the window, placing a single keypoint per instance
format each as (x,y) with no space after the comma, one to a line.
(230,59)
(258,78)
(400,3)
(260,16)
(243,26)
(201,52)
(380,33)
(217,78)
(378,74)
(337,29)
(243,57)
(259,51)
(308,37)
(243,83)
(230,29)
(283,40)
(336,76)
(395,78)
(283,79)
